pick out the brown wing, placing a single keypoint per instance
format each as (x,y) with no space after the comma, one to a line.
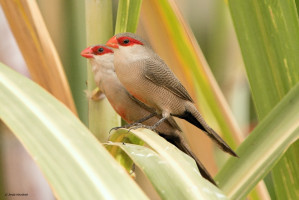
(159,73)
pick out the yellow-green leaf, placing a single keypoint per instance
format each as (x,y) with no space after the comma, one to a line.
(75,164)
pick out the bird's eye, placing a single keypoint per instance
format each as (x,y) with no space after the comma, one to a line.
(126,41)
(100,50)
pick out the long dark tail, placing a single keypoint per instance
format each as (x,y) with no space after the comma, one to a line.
(182,145)
(193,116)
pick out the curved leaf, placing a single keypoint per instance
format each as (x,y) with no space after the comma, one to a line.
(158,171)
(75,164)
(268,36)
(182,167)
(262,149)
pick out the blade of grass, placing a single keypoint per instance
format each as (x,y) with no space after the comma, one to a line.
(287,169)
(127,16)
(271,43)
(262,149)
(267,32)
(133,18)
(75,164)
(102,117)
(37,48)
(122,16)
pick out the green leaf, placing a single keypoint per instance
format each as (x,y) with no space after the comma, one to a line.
(172,173)
(122,16)
(268,35)
(262,149)
(286,173)
(117,153)
(127,16)
(133,18)
(267,32)
(157,170)
(75,164)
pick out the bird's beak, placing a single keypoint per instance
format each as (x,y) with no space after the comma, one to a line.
(87,53)
(113,42)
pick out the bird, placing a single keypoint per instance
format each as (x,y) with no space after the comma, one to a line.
(129,108)
(148,78)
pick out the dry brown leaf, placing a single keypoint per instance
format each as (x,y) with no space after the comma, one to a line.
(37,48)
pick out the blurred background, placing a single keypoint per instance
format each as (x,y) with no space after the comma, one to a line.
(212,26)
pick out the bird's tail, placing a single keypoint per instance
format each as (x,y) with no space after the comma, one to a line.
(184,147)
(192,115)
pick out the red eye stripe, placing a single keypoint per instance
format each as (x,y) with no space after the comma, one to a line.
(128,41)
(100,50)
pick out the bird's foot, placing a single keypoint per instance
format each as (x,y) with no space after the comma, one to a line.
(143,126)
(152,128)
(129,126)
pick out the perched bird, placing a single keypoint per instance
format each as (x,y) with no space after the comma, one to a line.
(146,77)
(129,108)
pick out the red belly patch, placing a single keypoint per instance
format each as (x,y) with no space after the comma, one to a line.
(122,113)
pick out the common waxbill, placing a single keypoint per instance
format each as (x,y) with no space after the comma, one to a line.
(146,76)
(129,108)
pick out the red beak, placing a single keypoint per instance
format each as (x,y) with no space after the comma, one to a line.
(113,42)
(87,53)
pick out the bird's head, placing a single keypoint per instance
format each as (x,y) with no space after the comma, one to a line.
(100,56)
(125,40)
(96,51)
(129,45)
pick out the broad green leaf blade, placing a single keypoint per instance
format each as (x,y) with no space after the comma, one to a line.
(289,165)
(117,153)
(98,30)
(133,18)
(169,163)
(268,35)
(122,16)
(159,172)
(128,137)
(262,149)
(75,164)
(183,166)
(127,16)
